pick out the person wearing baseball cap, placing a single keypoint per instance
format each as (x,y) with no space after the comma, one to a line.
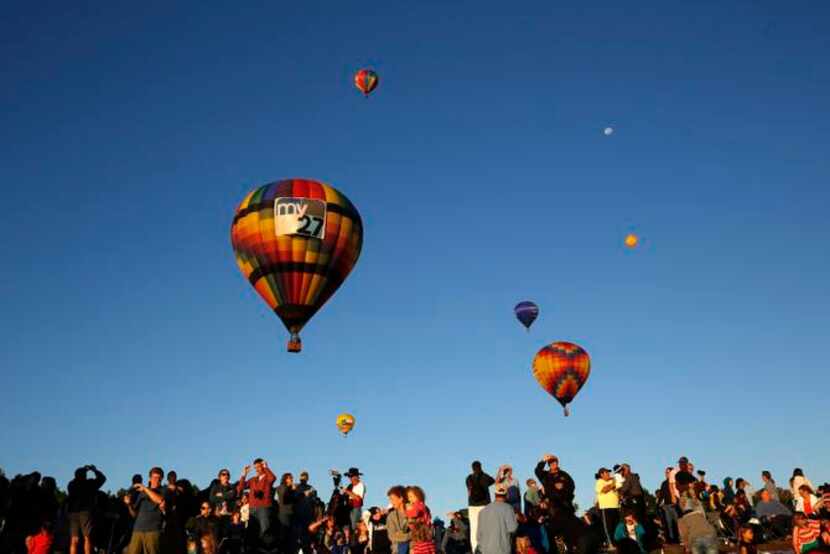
(608,502)
(496,523)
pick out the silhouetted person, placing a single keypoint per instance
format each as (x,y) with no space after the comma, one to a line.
(80,504)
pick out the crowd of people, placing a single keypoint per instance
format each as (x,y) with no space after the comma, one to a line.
(260,513)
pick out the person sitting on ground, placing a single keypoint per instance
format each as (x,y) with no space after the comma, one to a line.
(205,526)
(630,529)
(746,540)
(696,533)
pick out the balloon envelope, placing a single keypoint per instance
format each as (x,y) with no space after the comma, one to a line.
(526,312)
(296,241)
(561,369)
(345,423)
(366,81)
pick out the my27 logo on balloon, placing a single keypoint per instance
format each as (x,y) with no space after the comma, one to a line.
(300,216)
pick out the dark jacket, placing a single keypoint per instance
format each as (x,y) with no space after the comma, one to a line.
(478,489)
(560,499)
(631,486)
(222,493)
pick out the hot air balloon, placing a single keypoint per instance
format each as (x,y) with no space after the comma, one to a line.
(561,368)
(366,81)
(632,240)
(345,423)
(296,241)
(526,312)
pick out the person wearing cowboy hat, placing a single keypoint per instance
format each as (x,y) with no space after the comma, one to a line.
(356,491)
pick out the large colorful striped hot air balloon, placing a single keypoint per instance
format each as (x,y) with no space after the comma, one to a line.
(561,368)
(366,81)
(296,241)
(526,312)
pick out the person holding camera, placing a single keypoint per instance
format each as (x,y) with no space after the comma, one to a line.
(356,492)
(148,511)
(261,498)
(80,503)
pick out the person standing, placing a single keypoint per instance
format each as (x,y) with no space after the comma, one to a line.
(608,502)
(260,498)
(631,493)
(356,491)
(478,496)
(80,503)
(559,494)
(222,494)
(148,511)
(397,527)
(174,539)
(288,497)
(514,494)
(496,523)
(304,510)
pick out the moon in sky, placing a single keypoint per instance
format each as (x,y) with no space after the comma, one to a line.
(608,131)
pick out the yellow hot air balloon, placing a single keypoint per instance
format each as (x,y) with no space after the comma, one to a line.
(632,240)
(345,423)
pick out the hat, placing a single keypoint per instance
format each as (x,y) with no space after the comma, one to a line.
(501,489)
(600,470)
(617,468)
(353,471)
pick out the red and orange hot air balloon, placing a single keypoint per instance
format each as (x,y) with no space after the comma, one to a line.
(296,241)
(561,368)
(366,81)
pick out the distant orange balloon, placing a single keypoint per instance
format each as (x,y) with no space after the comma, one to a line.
(632,240)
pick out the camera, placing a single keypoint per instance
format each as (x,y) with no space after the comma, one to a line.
(336,477)
(259,495)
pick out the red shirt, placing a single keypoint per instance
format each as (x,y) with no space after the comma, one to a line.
(260,487)
(41,543)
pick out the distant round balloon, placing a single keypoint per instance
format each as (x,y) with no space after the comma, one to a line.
(561,369)
(345,423)
(366,81)
(632,240)
(526,312)
(608,131)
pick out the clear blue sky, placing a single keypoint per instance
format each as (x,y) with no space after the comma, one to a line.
(130,339)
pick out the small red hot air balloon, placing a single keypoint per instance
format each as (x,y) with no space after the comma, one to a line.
(561,368)
(366,81)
